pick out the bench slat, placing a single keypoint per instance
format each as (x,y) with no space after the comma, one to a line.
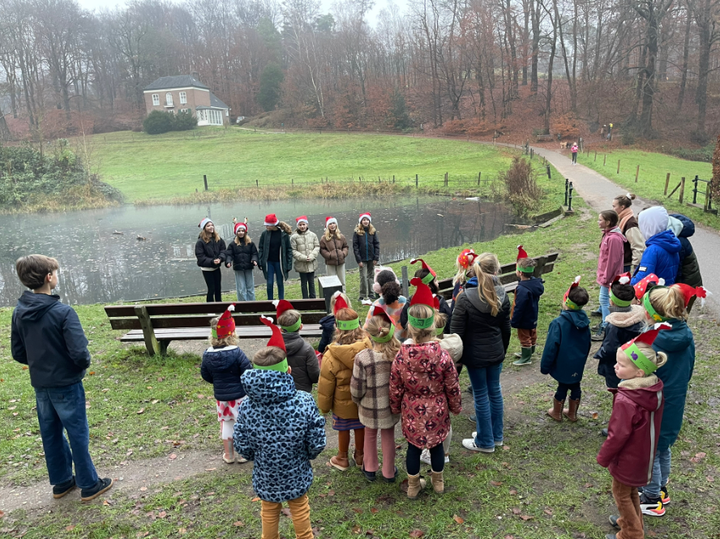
(179,334)
(201,321)
(218,307)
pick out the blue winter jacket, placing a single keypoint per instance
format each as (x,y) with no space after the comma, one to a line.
(679,345)
(223,367)
(661,257)
(567,347)
(327,323)
(281,430)
(527,298)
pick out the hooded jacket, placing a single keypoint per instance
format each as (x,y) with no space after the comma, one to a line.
(366,245)
(207,252)
(623,325)
(689,271)
(661,255)
(566,347)
(327,323)
(485,337)
(301,357)
(286,257)
(335,374)
(629,449)
(305,245)
(526,305)
(280,429)
(424,389)
(223,367)
(46,335)
(679,345)
(612,256)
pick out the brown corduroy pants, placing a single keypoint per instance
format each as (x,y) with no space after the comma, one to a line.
(299,511)
(630,517)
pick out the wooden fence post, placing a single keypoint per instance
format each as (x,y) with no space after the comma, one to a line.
(637,172)
(667,181)
(479,174)
(446,179)
(416,181)
(257,183)
(205,180)
(682,189)
(618,170)
(604,159)
(404,281)
(595,156)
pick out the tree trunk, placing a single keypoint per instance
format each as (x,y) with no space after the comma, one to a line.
(686,53)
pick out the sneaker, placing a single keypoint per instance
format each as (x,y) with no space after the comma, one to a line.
(596,312)
(652,507)
(469,443)
(425,457)
(613,521)
(664,496)
(604,432)
(239,459)
(391,479)
(598,336)
(497,444)
(369,476)
(367,301)
(228,460)
(103,485)
(63,488)
(472,418)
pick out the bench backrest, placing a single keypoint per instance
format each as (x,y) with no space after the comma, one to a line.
(191,315)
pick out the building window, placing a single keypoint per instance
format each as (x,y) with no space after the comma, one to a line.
(183,98)
(156,100)
(168,99)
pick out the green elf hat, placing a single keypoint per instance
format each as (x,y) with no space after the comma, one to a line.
(522,254)
(570,304)
(422,296)
(277,341)
(379,310)
(430,276)
(282,305)
(623,278)
(345,325)
(633,352)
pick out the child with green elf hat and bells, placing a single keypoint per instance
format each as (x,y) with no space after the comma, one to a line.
(524,313)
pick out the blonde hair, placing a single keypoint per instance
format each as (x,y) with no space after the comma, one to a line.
(288,318)
(246,239)
(334,300)
(207,237)
(669,302)
(421,311)
(378,326)
(329,235)
(485,267)
(270,355)
(440,322)
(230,340)
(659,358)
(460,276)
(351,336)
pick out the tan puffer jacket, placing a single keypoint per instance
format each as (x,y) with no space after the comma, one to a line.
(335,374)
(304,246)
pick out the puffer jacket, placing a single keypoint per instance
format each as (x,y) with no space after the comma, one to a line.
(286,257)
(327,323)
(612,256)
(661,257)
(241,256)
(301,357)
(424,389)
(623,325)
(305,245)
(366,245)
(566,347)
(485,337)
(526,304)
(370,389)
(334,250)
(335,375)
(223,367)
(689,271)
(280,429)
(207,252)
(629,449)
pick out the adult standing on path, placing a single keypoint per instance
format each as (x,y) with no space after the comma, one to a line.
(610,262)
(334,249)
(628,225)
(210,253)
(574,151)
(275,254)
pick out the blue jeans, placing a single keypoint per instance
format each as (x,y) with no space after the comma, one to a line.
(245,285)
(61,408)
(273,270)
(488,404)
(604,303)
(660,474)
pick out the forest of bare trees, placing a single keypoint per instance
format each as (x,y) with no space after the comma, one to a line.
(651,65)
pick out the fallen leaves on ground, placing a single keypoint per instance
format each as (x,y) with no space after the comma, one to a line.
(172,456)
(238,523)
(458,519)
(417,533)
(140,411)
(698,457)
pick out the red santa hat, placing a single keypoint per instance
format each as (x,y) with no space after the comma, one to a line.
(379,310)
(340,303)
(522,254)
(302,219)
(276,339)
(226,324)
(689,292)
(623,278)
(466,258)
(430,276)
(271,220)
(568,302)
(422,296)
(633,352)
(282,305)
(238,226)
(329,220)
(646,283)
(204,222)
(365,215)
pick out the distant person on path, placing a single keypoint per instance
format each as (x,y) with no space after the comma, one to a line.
(243,255)
(609,133)
(275,254)
(524,312)
(574,152)
(628,225)
(46,335)
(210,253)
(689,270)
(610,262)
(662,252)
(222,365)
(334,249)
(305,249)
(366,247)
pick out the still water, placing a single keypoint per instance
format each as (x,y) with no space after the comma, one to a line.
(99,265)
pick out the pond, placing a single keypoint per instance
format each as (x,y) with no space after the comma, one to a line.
(102,260)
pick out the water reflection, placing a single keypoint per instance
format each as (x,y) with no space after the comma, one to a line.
(98,265)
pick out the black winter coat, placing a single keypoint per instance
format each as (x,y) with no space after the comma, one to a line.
(327,323)
(46,335)
(485,337)
(207,252)
(527,299)
(223,367)
(286,258)
(241,256)
(301,357)
(444,308)
(689,270)
(366,246)
(623,325)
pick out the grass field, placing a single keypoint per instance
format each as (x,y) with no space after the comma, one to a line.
(170,166)
(654,168)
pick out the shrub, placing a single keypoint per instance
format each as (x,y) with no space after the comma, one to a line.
(521,188)
(628,138)
(158,122)
(184,121)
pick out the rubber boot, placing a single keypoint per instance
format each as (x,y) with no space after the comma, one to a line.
(415,485)
(438,482)
(524,357)
(341,461)
(532,350)
(556,411)
(358,457)
(571,411)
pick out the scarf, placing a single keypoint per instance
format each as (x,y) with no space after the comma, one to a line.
(624,217)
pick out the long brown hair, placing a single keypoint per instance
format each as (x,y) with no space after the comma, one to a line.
(246,239)
(207,237)
(485,267)
(348,337)
(360,230)
(377,326)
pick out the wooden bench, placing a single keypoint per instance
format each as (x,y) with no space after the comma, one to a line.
(508,278)
(544,138)
(158,324)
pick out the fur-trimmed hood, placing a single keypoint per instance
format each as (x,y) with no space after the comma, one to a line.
(624,319)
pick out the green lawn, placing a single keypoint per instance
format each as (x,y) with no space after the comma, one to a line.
(651,179)
(163,167)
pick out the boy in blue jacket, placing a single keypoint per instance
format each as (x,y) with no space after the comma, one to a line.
(280,429)
(566,350)
(46,336)
(525,307)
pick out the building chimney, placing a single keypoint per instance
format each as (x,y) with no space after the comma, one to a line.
(196,76)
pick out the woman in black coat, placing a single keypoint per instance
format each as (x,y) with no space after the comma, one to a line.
(210,253)
(482,320)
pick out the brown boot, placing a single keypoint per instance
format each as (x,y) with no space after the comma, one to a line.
(556,411)
(438,482)
(571,411)
(415,485)
(358,458)
(341,461)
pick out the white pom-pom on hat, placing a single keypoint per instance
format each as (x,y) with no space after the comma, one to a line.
(231,307)
(624,280)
